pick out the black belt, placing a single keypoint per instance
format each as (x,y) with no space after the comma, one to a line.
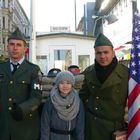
(63,132)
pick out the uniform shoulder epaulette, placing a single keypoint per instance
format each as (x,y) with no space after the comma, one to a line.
(88,69)
(124,66)
(122,70)
(31,63)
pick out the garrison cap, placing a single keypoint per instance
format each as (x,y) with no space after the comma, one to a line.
(17,35)
(102,40)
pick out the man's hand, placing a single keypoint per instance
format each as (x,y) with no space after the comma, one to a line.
(17,113)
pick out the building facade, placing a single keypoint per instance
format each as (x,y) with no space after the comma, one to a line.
(86,23)
(12,16)
(88,20)
(118,31)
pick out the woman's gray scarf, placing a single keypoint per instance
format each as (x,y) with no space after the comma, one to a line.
(67,107)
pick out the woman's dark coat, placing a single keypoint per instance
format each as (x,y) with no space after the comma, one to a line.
(50,119)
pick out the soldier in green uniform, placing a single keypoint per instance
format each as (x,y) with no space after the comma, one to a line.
(20,93)
(104,91)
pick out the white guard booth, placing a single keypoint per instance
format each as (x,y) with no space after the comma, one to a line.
(60,50)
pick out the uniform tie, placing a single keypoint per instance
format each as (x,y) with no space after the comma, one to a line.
(15,66)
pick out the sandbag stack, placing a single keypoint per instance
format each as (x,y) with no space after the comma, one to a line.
(47,83)
(78,81)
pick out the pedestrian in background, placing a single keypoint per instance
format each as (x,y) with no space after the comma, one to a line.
(63,113)
(74,69)
(104,92)
(20,93)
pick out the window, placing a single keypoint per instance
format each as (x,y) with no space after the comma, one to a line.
(83,61)
(3,41)
(3,3)
(62,59)
(3,20)
(0,24)
(42,62)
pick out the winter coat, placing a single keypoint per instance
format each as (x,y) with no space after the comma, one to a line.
(50,119)
(105,103)
(22,89)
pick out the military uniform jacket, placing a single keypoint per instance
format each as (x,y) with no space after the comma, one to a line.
(23,88)
(105,102)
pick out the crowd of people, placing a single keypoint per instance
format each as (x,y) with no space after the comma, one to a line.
(95,111)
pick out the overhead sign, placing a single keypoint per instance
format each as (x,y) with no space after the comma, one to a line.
(59,29)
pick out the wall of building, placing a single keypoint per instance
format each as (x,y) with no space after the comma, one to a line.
(12,16)
(120,32)
(89,22)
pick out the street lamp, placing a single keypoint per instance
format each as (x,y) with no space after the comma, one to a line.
(110,18)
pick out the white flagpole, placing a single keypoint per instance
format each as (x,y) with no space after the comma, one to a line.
(32,47)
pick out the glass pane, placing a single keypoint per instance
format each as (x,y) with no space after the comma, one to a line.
(84,61)
(42,62)
(62,59)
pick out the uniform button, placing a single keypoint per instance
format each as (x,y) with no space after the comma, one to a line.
(95,118)
(11,82)
(92,86)
(87,100)
(117,103)
(117,91)
(30,115)
(97,97)
(96,108)
(10,99)
(23,82)
(9,108)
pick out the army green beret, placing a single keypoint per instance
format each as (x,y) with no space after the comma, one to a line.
(17,35)
(102,40)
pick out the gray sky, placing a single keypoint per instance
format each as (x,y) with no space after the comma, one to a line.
(55,13)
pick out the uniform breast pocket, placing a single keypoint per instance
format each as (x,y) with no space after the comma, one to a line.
(23,87)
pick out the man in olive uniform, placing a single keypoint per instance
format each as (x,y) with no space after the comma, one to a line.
(104,92)
(20,93)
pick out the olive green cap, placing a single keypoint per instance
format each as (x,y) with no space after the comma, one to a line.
(17,35)
(102,40)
